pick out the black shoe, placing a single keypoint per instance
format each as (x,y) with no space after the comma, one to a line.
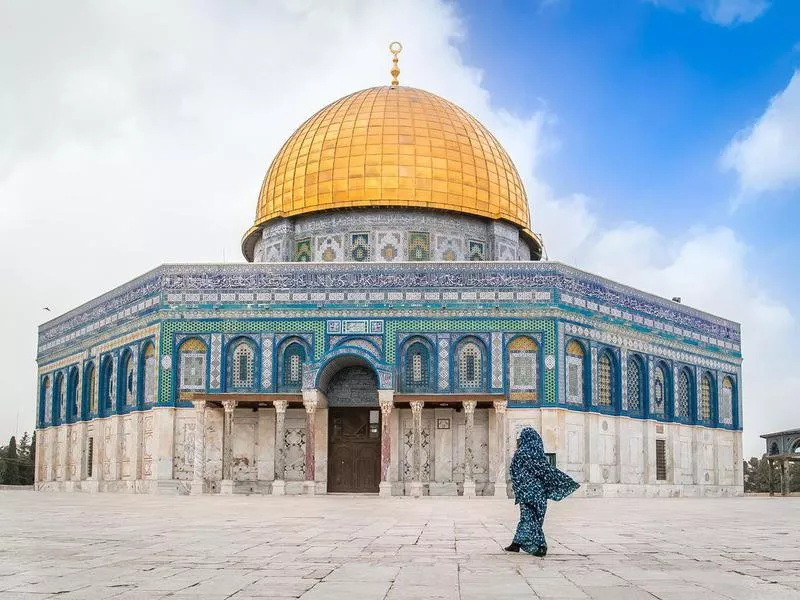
(512,548)
(541,552)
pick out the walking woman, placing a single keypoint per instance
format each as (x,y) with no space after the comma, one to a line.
(535,481)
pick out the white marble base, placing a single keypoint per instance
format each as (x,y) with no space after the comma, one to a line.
(416,489)
(500,489)
(197,487)
(226,487)
(309,488)
(385,489)
(278,487)
(469,489)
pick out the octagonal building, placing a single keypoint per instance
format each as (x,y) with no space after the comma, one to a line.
(392,330)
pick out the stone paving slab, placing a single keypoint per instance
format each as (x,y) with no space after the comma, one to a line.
(130,547)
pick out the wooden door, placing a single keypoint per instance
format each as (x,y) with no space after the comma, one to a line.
(354,449)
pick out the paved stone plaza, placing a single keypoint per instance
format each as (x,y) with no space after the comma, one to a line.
(329,547)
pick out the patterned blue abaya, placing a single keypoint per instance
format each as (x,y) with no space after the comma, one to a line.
(535,481)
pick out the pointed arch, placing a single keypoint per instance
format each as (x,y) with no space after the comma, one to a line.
(417,365)
(242,364)
(193,364)
(522,366)
(705,403)
(59,397)
(683,395)
(72,394)
(293,353)
(45,401)
(727,401)
(107,386)
(607,380)
(576,372)
(470,372)
(662,390)
(89,400)
(147,374)
(127,383)
(635,384)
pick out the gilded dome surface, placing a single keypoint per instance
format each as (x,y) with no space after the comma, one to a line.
(392,147)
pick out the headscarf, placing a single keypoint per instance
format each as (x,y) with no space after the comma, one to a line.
(532,475)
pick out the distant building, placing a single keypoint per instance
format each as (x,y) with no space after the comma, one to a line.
(783,447)
(392,330)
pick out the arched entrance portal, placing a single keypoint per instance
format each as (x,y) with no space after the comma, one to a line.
(354,430)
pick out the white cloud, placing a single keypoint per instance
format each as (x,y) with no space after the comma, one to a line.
(137,133)
(766,155)
(721,12)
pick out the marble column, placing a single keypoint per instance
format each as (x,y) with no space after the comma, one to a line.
(416,453)
(469,454)
(226,485)
(785,477)
(199,446)
(500,478)
(386,401)
(311,411)
(279,483)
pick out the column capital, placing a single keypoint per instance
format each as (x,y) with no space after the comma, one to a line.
(386,407)
(229,405)
(280,405)
(469,406)
(500,406)
(199,404)
(416,407)
(310,405)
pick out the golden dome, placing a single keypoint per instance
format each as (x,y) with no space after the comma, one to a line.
(392,147)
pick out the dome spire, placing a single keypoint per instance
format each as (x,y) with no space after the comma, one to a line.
(395,48)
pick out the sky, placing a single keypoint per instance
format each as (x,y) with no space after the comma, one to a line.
(659,142)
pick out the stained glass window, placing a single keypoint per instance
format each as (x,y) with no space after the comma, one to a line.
(705,398)
(476,250)
(604,381)
(243,365)
(359,246)
(634,385)
(469,366)
(419,246)
(726,402)
(682,406)
(193,365)
(575,373)
(302,252)
(659,391)
(149,379)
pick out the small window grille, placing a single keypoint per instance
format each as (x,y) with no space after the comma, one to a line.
(683,396)
(604,381)
(469,366)
(243,366)
(90,457)
(661,460)
(658,391)
(705,398)
(634,386)
(575,376)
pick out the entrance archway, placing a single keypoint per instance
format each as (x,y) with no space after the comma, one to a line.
(354,430)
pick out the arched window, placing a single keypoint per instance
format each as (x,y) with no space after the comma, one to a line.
(72,395)
(148,377)
(576,374)
(605,380)
(193,365)
(726,402)
(294,355)
(107,387)
(60,398)
(704,410)
(523,369)
(635,385)
(470,366)
(128,379)
(242,365)
(417,368)
(89,390)
(773,449)
(684,392)
(47,401)
(659,402)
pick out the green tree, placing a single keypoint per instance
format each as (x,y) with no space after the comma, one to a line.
(11,460)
